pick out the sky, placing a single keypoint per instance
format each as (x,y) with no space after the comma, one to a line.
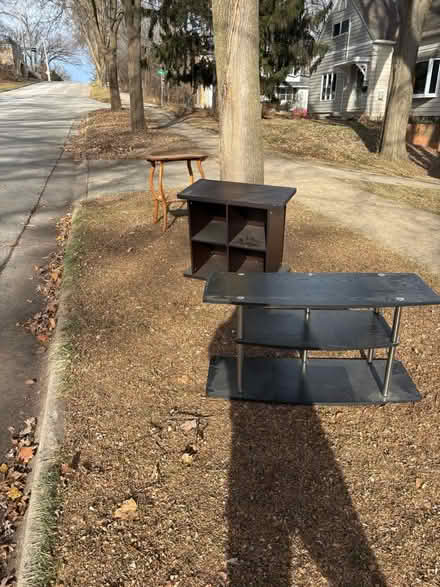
(80,73)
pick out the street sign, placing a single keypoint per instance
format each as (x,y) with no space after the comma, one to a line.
(162,72)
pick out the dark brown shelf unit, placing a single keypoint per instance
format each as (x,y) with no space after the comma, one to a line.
(235,227)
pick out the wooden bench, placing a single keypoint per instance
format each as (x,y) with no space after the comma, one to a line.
(159,195)
(316,311)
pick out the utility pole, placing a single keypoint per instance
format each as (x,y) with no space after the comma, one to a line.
(47,62)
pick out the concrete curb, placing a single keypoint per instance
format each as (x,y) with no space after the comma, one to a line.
(39,534)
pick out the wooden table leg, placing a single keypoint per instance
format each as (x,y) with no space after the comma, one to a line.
(153,193)
(190,171)
(163,198)
(199,165)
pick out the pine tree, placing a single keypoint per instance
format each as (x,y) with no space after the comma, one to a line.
(287,42)
(185,47)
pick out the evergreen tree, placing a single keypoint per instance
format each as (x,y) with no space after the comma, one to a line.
(287,42)
(185,46)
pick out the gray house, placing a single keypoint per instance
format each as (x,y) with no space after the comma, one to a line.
(353,78)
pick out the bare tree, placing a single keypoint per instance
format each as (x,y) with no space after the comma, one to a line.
(39,27)
(412,15)
(98,22)
(236,32)
(133,20)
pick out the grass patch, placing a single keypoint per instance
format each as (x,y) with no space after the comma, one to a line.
(424,198)
(43,564)
(99,93)
(10,85)
(273,495)
(351,144)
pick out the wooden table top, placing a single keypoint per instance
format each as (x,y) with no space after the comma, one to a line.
(164,157)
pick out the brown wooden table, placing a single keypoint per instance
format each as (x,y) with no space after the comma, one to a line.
(159,195)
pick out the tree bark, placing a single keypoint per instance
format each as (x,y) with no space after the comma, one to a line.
(112,72)
(133,25)
(412,16)
(236,35)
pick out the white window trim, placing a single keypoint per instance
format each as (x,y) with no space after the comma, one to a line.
(331,76)
(426,93)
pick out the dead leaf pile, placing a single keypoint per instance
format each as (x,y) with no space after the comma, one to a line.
(42,324)
(107,135)
(14,496)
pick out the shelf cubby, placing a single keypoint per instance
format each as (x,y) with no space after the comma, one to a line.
(208,223)
(247,228)
(244,261)
(208,258)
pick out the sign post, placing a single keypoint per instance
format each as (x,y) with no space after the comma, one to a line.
(162,73)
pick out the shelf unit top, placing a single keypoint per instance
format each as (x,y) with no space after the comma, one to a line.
(320,290)
(239,194)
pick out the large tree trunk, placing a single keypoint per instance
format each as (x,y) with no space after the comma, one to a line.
(112,72)
(133,24)
(412,16)
(236,34)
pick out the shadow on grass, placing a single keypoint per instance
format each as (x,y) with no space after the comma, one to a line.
(288,501)
(425,159)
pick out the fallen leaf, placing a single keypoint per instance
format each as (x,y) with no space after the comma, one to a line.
(30,381)
(189,425)
(14,493)
(52,323)
(187,459)
(43,338)
(26,453)
(127,510)
(4,468)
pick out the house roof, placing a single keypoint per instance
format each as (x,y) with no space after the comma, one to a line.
(382,18)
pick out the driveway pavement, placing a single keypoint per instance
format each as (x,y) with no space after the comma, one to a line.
(36,186)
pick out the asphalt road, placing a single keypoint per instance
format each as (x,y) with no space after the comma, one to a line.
(36,186)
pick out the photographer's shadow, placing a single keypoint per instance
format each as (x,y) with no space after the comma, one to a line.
(288,502)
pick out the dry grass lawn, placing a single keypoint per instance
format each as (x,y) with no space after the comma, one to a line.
(238,494)
(107,135)
(425,198)
(99,93)
(350,144)
(11,85)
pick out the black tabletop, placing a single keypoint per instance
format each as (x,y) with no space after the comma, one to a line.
(320,290)
(231,192)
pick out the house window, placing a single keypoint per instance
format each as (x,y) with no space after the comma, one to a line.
(286,94)
(328,86)
(427,79)
(340,28)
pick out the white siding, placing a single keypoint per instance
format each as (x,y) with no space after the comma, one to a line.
(340,49)
(380,69)
(427,106)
